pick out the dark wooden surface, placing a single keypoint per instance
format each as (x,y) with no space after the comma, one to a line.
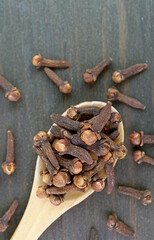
(83,32)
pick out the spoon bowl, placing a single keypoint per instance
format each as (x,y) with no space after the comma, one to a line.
(40,213)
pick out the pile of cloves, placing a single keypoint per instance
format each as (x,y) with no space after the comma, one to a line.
(80,151)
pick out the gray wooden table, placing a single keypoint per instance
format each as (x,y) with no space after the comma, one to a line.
(84,33)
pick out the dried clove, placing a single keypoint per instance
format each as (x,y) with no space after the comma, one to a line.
(91,75)
(9,165)
(140,139)
(60,179)
(38,61)
(47,178)
(73,165)
(76,113)
(93,234)
(41,139)
(41,192)
(59,132)
(98,185)
(110,177)
(63,146)
(114,223)
(121,75)
(114,95)
(114,135)
(144,196)
(64,86)
(64,190)
(114,120)
(65,122)
(45,160)
(4,221)
(56,199)
(140,156)
(88,137)
(103,117)
(11,92)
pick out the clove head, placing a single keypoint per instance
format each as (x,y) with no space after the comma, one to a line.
(112,222)
(65,87)
(112,94)
(77,167)
(41,136)
(46,178)
(60,145)
(56,199)
(79,181)
(138,155)
(89,77)
(9,167)
(13,95)
(36,60)
(136,138)
(89,137)
(146,198)
(41,192)
(117,77)
(98,185)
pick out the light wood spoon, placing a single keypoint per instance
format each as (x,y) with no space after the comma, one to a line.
(40,213)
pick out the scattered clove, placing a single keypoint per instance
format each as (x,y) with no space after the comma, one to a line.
(9,165)
(114,95)
(11,92)
(64,87)
(114,223)
(121,75)
(144,196)
(38,61)
(4,221)
(91,75)
(140,139)
(140,156)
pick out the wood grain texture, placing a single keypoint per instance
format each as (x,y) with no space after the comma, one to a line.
(84,33)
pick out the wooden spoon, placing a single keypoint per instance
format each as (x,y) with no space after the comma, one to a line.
(40,213)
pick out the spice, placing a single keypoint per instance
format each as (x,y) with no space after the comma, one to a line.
(38,61)
(91,75)
(140,156)
(4,221)
(121,75)
(76,113)
(140,139)
(114,95)
(65,122)
(45,160)
(73,165)
(64,190)
(114,135)
(63,146)
(11,92)
(64,86)
(41,139)
(88,137)
(98,185)
(114,223)
(56,199)
(60,179)
(110,177)
(47,178)
(114,120)
(41,192)
(59,132)
(144,196)
(93,234)
(9,165)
